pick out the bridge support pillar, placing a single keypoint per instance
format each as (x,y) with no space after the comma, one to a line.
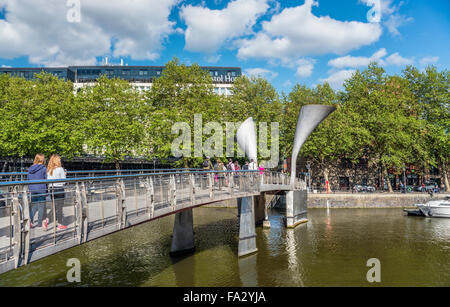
(247,233)
(260,208)
(296,208)
(183,233)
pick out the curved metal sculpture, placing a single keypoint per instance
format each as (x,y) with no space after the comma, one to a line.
(309,118)
(246,139)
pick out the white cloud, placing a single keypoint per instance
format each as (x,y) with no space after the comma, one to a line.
(207,30)
(305,68)
(296,32)
(39,29)
(213,58)
(429,60)
(354,62)
(337,78)
(398,60)
(261,72)
(395,21)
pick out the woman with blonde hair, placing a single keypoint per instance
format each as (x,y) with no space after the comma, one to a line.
(55,171)
(38,192)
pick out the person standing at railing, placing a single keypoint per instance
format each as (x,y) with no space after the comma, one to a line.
(245,166)
(252,165)
(38,171)
(55,171)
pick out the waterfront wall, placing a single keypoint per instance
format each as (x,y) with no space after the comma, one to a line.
(375,200)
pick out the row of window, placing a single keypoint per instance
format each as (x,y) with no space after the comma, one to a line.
(31,74)
(215,73)
(132,74)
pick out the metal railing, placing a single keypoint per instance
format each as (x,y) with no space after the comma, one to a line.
(21,176)
(72,211)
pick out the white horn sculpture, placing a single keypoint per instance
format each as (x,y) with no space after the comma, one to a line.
(246,139)
(309,118)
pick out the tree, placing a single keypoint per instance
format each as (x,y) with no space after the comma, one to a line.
(177,96)
(388,112)
(38,116)
(432,91)
(112,119)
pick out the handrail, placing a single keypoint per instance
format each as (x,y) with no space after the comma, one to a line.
(106,171)
(50,181)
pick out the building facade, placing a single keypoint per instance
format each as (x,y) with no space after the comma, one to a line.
(141,77)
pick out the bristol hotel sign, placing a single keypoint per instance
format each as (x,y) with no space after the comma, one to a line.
(223,79)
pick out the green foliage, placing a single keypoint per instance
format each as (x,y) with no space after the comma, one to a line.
(179,94)
(391,120)
(38,116)
(113,125)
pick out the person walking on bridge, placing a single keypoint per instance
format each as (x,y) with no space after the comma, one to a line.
(207,165)
(38,192)
(55,171)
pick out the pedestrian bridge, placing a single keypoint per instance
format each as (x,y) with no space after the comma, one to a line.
(97,206)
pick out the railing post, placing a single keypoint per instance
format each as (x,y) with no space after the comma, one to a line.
(81,224)
(211,182)
(121,208)
(150,197)
(26,223)
(192,188)
(17,224)
(173,192)
(231,183)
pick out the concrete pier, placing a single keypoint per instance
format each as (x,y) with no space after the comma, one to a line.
(183,233)
(296,208)
(247,233)
(260,208)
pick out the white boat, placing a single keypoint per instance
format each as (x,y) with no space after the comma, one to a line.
(433,208)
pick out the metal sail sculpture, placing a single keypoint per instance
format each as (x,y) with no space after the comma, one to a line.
(309,118)
(246,139)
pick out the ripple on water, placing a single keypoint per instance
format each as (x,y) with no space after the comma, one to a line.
(330,250)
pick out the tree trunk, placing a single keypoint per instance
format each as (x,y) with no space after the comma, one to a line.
(445,177)
(326,172)
(117,165)
(386,175)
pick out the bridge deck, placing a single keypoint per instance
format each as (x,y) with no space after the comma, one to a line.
(96,207)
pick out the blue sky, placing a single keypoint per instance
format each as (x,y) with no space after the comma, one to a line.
(288,42)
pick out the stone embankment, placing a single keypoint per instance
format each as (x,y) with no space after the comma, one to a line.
(349,200)
(368,200)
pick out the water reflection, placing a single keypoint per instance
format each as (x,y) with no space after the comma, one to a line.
(293,261)
(248,271)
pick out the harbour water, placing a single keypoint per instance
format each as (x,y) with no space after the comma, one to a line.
(332,249)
